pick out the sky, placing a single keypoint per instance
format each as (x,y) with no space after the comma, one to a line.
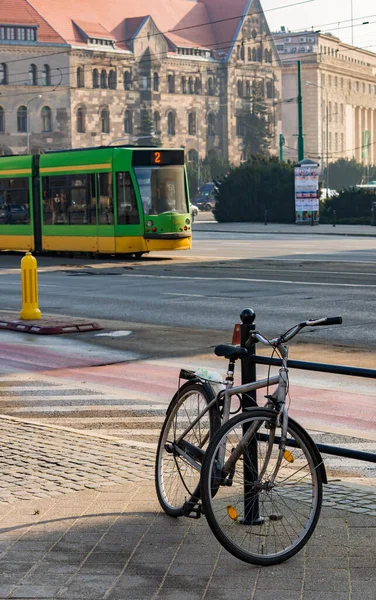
(327,15)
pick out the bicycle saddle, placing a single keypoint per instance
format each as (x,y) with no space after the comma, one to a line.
(229,351)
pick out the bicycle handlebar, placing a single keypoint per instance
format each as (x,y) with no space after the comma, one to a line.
(295,330)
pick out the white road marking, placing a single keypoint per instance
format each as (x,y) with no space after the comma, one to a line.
(254,280)
(113,334)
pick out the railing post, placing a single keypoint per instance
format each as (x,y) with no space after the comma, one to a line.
(251,503)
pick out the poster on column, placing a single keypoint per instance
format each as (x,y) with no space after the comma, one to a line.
(306,192)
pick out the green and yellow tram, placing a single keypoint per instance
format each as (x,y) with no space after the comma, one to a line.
(107,200)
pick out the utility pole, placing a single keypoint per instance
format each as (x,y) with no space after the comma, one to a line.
(281,144)
(300,117)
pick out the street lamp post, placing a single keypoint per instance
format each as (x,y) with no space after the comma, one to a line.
(28,122)
(326,133)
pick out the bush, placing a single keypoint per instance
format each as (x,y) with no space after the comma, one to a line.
(352,206)
(262,183)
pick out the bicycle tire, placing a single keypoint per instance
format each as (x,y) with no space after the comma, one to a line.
(280,520)
(176,481)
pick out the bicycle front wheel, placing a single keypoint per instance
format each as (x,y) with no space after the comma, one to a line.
(177,469)
(258,520)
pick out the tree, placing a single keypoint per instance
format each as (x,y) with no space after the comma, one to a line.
(253,124)
(344,173)
(259,185)
(146,134)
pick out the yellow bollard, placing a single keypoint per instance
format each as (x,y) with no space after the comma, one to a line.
(29,280)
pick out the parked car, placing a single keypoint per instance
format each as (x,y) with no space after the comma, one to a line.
(205,199)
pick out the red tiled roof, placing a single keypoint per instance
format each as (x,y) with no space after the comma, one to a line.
(184,22)
(19,12)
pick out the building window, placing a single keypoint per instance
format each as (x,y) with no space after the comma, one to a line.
(46,75)
(22,119)
(112,80)
(197,85)
(128,124)
(330,112)
(349,85)
(80,115)
(33,75)
(247,89)
(127,80)
(269,88)
(250,54)
(155,82)
(254,55)
(157,122)
(192,156)
(240,88)
(190,85)
(95,78)
(10,33)
(342,112)
(335,112)
(211,124)
(341,83)
(3,74)
(357,86)
(183,85)
(103,79)
(2,119)
(105,121)
(46,119)
(80,77)
(323,80)
(336,141)
(192,124)
(171,123)
(170,84)
(342,144)
(144,84)
(210,86)
(239,126)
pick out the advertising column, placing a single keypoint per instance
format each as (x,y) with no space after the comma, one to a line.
(306,192)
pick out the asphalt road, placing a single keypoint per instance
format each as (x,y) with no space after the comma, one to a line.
(205,289)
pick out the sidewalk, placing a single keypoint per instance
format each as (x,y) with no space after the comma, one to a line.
(283,228)
(80,520)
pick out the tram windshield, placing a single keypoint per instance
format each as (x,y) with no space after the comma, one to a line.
(162,189)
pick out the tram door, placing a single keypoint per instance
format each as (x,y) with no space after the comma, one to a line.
(105,213)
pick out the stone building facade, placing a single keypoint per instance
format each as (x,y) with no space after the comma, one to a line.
(76,74)
(338,96)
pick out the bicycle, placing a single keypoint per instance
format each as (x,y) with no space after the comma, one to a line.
(261,500)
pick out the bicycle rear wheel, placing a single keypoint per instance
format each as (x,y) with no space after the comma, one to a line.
(261,522)
(177,477)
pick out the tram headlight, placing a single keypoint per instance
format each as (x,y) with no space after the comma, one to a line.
(149,223)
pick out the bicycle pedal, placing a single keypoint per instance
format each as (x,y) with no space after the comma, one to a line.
(193,511)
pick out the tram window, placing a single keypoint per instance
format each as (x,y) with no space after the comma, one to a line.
(69,200)
(14,201)
(106,201)
(127,209)
(162,189)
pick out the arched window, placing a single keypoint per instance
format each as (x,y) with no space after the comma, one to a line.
(249,53)
(95,78)
(33,75)
(80,77)
(266,55)
(2,119)
(269,88)
(240,88)
(157,122)
(3,74)
(240,129)
(112,80)
(190,85)
(197,85)
(46,75)
(210,86)
(259,54)
(127,80)
(183,85)
(171,123)
(128,124)
(211,124)
(254,55)
(81,118)
(103,79)
(247,89)
(170,84)
(270,56)
(105,120)
(22,119)
(242,52)
(192,123)
(46,117)
(192,156)
(155,82)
